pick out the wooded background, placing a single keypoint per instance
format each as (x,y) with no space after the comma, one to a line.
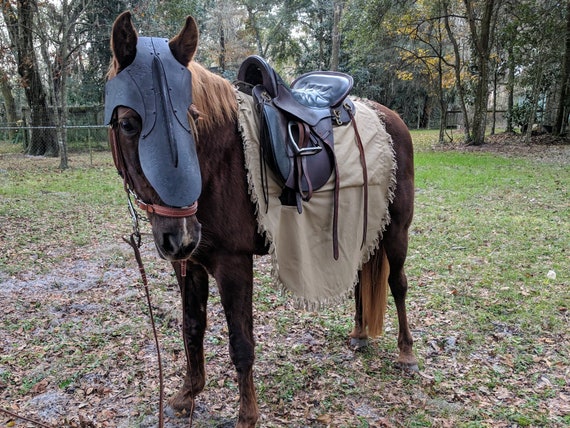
(440,63)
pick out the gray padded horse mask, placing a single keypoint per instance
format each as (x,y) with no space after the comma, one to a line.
(159,89)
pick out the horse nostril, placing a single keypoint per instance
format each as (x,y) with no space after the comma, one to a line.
(170,243)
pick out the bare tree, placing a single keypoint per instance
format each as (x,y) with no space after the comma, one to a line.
(61,37)
(458,66)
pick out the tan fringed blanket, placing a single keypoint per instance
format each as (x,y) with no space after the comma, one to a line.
(301,244)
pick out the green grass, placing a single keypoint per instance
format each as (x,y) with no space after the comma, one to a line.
(40,204)
(490,328)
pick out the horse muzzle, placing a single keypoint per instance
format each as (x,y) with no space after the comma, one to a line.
(175,238)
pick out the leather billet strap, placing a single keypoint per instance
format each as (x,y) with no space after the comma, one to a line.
(364,173)
(164,211)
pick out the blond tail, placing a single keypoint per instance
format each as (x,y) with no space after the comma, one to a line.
(374,292)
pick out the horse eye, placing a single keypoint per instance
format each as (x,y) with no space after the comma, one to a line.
(128,127)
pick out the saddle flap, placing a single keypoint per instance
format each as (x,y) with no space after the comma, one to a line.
(273,136)
(322,89)
(278,139)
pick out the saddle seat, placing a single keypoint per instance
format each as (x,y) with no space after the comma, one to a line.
(321,89)
(316,96)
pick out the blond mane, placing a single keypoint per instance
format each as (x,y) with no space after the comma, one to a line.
(213,96)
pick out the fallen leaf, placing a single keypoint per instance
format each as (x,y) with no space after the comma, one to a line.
(40,387)
(325,419)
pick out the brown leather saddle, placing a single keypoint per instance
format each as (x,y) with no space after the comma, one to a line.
(296,129)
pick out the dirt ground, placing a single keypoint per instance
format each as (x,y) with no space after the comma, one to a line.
(541,147)
(85,356)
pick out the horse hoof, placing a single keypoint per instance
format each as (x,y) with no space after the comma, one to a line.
(171,412)
(411,367)
(357,343)
(182,403)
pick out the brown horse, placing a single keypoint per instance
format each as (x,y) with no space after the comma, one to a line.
(221,236)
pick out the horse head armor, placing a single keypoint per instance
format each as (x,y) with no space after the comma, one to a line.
(159,89)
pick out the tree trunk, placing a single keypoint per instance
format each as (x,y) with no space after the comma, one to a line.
(482,39)
(510,90)
(531,118)
(20,27)
(9,104)
(335,46)
(494,113)
(425,112)
(442,102)
(480,106)
(62,104)
(254,27)
(457,71)
(564,101)
(222,57)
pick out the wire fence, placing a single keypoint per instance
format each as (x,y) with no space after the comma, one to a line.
(84,131)
(80,138)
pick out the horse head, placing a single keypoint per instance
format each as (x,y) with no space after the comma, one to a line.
(148,100)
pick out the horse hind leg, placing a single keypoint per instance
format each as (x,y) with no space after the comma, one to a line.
(396,247)
(386,267)
(358,336)
(194,293)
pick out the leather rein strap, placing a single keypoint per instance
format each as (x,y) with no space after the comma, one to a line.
(364,176)
(134,242)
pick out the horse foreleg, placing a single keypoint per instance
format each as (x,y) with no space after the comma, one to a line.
(194,293)
(235,282)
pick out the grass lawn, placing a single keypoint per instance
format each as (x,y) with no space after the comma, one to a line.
(489,274)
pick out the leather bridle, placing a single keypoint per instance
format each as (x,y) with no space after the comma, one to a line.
(161,210)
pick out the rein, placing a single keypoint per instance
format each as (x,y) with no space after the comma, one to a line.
(134,240)
(30,420)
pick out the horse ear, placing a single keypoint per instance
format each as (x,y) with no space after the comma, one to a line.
(183,46)
(124,40)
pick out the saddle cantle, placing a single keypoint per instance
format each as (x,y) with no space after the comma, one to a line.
(296,128)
